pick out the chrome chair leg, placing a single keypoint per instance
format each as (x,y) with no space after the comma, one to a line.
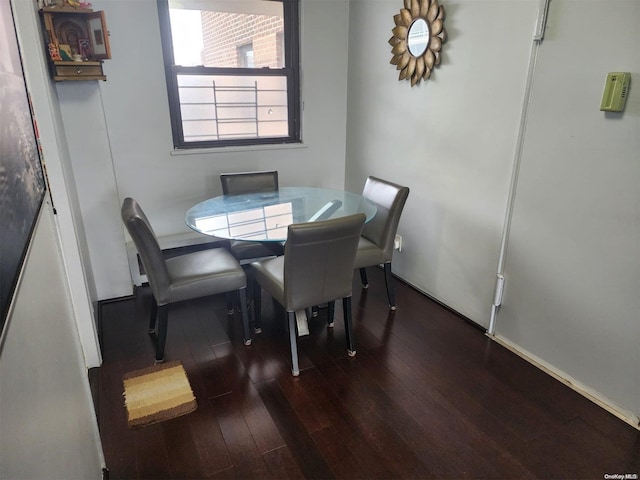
(293,339)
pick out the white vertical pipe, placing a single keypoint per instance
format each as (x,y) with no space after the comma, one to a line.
(538,36)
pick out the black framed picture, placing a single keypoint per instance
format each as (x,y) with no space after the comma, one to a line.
(22,184)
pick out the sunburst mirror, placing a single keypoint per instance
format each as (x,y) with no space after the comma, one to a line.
(417,39)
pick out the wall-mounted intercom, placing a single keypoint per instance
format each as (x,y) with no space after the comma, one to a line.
(615,92)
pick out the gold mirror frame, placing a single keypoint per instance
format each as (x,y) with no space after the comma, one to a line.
(411,67)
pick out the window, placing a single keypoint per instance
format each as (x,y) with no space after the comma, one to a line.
(245,56)
(232,71)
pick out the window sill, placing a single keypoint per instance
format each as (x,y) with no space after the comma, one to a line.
(243,148)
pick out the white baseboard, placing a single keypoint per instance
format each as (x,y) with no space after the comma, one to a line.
(597,398)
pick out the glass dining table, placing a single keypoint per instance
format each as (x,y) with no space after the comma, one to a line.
(265,216)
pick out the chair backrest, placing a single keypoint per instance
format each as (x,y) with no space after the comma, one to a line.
(249,182)
(390,199)
(148,248)
(318,260)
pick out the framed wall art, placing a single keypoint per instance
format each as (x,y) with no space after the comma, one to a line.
(77,35)
(84,48)
(99,36)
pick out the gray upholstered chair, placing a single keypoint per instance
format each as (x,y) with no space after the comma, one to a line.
(251,182)
(378,235)
(188,276)
(317,267)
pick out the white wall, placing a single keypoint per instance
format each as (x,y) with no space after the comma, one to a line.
(48,427)
(572,296)
(103,141)
(60,175)
(82,111)
(451,140)
(142,164)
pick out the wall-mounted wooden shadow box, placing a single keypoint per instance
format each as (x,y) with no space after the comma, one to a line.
(77,41)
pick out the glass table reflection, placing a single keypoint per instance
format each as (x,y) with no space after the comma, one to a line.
(264,217)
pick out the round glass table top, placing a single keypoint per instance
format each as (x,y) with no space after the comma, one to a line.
(264,217)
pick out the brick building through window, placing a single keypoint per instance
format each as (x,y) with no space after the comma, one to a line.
(226,37)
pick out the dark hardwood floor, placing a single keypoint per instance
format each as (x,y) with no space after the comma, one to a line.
(427,396)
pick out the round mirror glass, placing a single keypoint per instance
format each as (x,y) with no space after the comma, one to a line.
(418,37)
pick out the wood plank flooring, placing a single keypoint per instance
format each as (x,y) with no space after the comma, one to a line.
(428,395)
